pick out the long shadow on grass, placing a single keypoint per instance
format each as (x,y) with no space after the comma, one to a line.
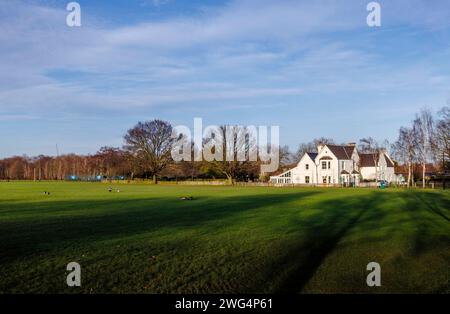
(425,209)
(431,199)
(366,213)
(105,220)
(330,228)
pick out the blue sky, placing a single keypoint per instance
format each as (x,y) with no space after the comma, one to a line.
(312,67)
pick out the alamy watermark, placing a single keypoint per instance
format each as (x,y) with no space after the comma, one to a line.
(227,143)
(374,277)
(374,16)
(74,17)
(73,279)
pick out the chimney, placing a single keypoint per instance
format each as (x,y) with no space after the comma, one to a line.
(319,147)
(351,144)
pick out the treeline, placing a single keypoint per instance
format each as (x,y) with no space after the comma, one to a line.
(116,165)
(147,149)
(108,162)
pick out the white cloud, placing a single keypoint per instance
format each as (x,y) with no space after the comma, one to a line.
(247,49)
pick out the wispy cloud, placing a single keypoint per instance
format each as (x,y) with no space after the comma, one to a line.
(260,54)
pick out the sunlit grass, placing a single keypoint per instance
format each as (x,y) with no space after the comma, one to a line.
(144,239)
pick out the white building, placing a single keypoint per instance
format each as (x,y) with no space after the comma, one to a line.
(338,165)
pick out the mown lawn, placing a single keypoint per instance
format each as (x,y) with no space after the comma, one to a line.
(227,240)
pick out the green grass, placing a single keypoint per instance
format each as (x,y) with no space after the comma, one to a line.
(227,240)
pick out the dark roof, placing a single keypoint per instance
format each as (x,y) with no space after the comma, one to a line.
(355,172)
(312,156)
(368,160)
(326,158)
(388,161)
(342,151)
(344,172)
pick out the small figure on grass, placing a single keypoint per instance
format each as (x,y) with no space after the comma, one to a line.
(186,198)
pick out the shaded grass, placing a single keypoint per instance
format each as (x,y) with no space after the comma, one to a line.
(228,240)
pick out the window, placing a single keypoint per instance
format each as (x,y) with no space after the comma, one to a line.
(307,166)
(329,165)
(307,179)
(324,165)
(343,165)
(286,175)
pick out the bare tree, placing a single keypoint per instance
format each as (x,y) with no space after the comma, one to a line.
(230,149)
(311,147)
(286,157)
(424,134)
(368,145)
(150,143)
(404,149)
(323,141)
(303,148)
(442,138)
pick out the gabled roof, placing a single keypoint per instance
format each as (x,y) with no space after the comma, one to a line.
(368,160)
(313,156)
(389,162)
(342,151)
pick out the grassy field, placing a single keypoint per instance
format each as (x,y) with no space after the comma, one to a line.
(227,240)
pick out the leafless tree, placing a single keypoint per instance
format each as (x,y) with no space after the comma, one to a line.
(311,147)
(286,156)
(404,149)
(442,138)
(423,127)
(303,148)
(323,141)
(232,148)
(150,144)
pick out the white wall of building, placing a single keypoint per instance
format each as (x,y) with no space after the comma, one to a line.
(327,169)
(305,168)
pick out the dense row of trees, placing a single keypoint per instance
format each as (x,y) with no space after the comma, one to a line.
(147,154)
(108,161)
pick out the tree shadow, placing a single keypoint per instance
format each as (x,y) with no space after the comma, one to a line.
(430,199)
(428,218)
(71,223)
(121,218)
(326,233)
(367,215)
